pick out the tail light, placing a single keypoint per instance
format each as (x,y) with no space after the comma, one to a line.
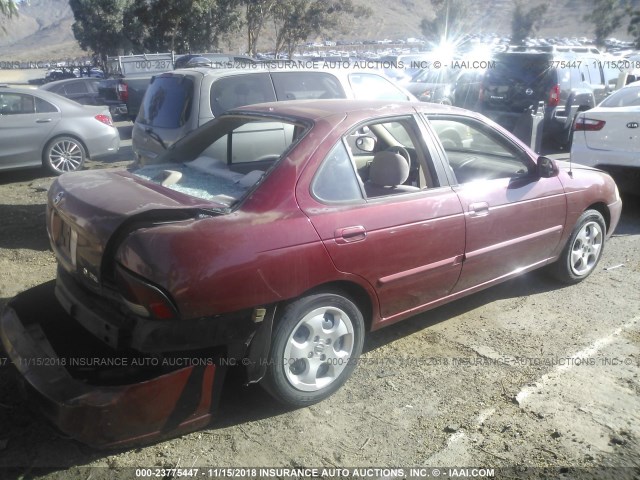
(143,298)
(554,96)
(588,125)
(106,119)
(123,92)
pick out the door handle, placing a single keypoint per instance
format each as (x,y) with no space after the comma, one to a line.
(479,209)
(350,234)
(43,120)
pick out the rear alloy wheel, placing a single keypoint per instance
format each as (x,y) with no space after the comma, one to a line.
(64,154)
(315,345)
(583,250)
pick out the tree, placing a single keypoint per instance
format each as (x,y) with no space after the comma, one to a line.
(606,16)
(8,9)
(450,23)
(256,13)
(296,20)
(110,26)
(526,22)
(98,26)
(634,26)
(179,25)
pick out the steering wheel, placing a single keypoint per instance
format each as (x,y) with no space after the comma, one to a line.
(403,152)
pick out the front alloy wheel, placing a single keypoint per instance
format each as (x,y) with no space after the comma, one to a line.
(583,250)
(314,347)
(586,248)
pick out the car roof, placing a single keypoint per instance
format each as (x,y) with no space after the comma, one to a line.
(317,109)
(51,97)
(274,67)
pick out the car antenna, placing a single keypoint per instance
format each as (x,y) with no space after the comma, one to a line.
(570,172)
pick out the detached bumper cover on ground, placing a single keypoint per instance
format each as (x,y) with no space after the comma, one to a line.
(109,410)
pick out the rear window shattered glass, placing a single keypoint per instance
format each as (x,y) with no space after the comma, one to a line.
(193,181)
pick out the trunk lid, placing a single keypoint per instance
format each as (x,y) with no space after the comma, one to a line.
(88,211)
(621,131)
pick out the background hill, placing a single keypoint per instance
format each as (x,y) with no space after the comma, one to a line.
(43,29)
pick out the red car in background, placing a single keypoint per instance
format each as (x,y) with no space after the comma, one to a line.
(277,235)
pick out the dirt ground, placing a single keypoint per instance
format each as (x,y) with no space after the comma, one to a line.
(530,378)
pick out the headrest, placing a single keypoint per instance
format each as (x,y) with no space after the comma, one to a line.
(388,169)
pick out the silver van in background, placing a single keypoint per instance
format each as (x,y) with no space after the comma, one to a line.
(180,101)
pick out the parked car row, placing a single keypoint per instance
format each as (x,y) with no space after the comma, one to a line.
(565,82)
(516,81)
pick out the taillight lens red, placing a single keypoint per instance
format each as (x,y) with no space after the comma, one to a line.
(106,119)
(144,299)
(554,96)
(589,125)
(123,92)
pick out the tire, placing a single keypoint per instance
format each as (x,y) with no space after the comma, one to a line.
(304,366)
(64,154)
(583,250)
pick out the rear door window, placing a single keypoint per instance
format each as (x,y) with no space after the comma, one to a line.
(16,104)
(167,102)
(239,90)
(306,85)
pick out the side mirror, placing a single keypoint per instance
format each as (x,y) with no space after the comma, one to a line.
(547,168)
(366,144)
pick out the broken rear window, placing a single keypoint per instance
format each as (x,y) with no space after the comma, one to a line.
(224,159)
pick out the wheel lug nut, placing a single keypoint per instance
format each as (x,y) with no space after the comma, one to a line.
(310,355)
(316,339)
(328,341)
(323,357)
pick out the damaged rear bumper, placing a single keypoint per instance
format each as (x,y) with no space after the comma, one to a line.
(99,397)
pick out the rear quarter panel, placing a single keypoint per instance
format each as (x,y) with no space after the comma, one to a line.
(265,252)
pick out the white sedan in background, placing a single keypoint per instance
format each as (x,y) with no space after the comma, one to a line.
(608,136)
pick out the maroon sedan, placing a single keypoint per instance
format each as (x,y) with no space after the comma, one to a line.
(275,236)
